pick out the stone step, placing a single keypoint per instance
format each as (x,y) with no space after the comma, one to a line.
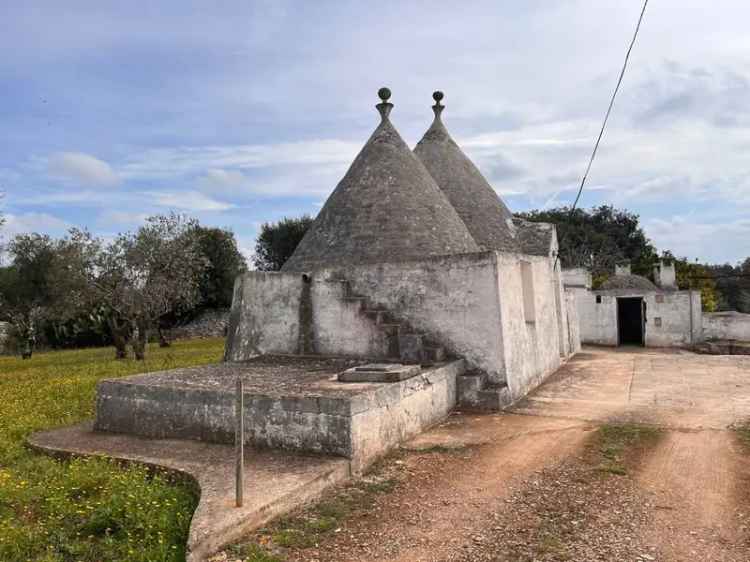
(411,349)
(469,385)
(493,398)
(476,392)
(434,354)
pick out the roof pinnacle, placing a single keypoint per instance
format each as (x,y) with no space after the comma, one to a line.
(384,107)
(438,96)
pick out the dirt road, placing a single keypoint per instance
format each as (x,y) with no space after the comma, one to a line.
(543,482)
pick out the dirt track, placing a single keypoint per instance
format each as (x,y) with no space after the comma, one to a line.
(525,485)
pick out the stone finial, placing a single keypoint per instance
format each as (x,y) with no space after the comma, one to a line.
(384,107)
(438,107)
(622,268)
(665,275)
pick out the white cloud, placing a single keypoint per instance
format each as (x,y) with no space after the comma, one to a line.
(688,235)
(218,179)
(182,160)
(33,222)
(81,168)
(188,201)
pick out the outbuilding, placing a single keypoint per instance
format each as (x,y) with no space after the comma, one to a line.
(630,309)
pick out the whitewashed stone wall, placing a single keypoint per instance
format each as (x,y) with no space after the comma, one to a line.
(726,326)
(531,346)
(473,304)
(453,298)
(574,324)
(673,318)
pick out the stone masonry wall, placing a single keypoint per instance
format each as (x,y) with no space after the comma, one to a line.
(726,326)
(210,324)
(673,318)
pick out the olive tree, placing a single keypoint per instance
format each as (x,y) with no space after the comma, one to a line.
(26,288)
(141,276)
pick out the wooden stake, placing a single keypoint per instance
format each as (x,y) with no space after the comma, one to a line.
(239,441)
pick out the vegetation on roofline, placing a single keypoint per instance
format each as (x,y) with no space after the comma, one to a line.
(277,241)
(87,510)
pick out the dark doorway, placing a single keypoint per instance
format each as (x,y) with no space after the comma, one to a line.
(630,321)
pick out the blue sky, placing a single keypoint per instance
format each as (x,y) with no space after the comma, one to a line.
(243,112)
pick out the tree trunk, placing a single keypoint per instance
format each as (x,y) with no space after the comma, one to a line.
(140,338)
(163,341)
(119,338)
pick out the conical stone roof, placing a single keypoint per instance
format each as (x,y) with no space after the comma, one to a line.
(479,206)
(628,281)
(386,208)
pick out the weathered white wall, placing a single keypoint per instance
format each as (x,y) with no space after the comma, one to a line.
(574,330)
(597,321)
(531,348)
(451,298)
(577,277)
(339,325)
(672,317)
(472,304)
(264,316)
(726,326)
(680,313)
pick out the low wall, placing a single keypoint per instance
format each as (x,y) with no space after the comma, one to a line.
(210,324)
(361,427)
(726,326)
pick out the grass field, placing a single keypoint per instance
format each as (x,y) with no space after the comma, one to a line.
(84,510)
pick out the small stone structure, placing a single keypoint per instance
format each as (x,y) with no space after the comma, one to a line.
(630,309)
(293,403)
(413,259)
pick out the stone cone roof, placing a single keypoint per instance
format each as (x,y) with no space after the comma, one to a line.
(386,208)
(477,203)
(628,281)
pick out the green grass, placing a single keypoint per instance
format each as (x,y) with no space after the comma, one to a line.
(613,441)
(86,509)
(743,433)
(307,527)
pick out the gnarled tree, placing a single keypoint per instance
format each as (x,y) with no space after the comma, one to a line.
(140,277)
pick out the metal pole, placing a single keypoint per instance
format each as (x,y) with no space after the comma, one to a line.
(239,441)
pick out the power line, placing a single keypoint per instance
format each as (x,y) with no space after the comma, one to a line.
(609,109)
(606,116)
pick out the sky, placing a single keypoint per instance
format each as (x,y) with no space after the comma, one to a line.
(240,113)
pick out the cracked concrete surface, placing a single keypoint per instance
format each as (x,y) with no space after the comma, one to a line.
(674,389)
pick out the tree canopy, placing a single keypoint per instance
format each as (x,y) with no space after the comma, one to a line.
(277,241)
(225,262)
(598,239)
(121,289)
